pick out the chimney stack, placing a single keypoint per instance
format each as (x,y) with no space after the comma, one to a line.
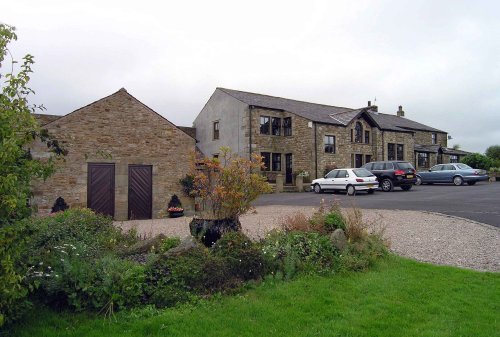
(400,112)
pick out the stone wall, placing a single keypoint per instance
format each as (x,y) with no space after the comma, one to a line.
(121,130)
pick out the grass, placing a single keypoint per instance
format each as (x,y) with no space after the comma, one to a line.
(398,297)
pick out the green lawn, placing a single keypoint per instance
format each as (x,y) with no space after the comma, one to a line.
(397,298)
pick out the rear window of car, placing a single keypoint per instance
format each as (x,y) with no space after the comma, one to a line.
(404,166)
(361,172)
(342,174)
(388,166)
(464,167)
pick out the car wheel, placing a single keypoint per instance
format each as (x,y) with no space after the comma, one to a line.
(387,185)
(470,183)
(317,188)
(458,181)
(419,181)
(371,191)
(351,190)
(406,187)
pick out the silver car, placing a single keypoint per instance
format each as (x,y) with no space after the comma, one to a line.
(451,173)
(350,180)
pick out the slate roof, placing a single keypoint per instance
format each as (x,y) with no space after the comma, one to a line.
(447,150)
(427,148)
(315,112)
(326,113)
(45,118)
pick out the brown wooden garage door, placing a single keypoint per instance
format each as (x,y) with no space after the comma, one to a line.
(140,192)
(101,188)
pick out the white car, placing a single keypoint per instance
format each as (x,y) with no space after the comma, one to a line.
(350,180)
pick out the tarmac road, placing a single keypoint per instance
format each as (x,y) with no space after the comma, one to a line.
(480,202)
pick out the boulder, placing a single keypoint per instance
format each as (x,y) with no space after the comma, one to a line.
(338,239)
(144,246)
(209,231)
(186,244)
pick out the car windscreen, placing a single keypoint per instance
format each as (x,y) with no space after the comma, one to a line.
(361,172)
(464,167)
(404,166)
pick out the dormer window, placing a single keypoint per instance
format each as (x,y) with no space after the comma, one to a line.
(358,133)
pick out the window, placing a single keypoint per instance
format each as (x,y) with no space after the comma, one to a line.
(448,167)
(434,138)
(287,126)
(216,130)
(266,159)
(352,135)
(391,151)
(395,151)
(276,161)
(342,174)
(400,152)
(437,168)
(422,159)
(453,158)
(368,158)
(329,144)
(276,126)
(358,133)
(264,125)
(388,166)
(378,166)
(332,174)
(215,156)
(367,137)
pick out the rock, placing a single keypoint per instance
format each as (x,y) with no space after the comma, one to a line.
(338,239)
(209,231)
(144,246)
(186,244)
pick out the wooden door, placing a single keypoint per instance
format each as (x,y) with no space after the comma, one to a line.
(101,188)
(288,169)
(358,160)
(140,192)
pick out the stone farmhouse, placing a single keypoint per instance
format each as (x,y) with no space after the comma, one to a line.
(294,136)
(124,159)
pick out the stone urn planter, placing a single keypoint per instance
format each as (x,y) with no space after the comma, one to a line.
(175,212)
(209,231)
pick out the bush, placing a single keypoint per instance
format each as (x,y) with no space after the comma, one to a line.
(106,284)
(172,279)
(292,252)
(334,220)
(478,161)
(243,258)
(13,291)
(169,243)
(94,233)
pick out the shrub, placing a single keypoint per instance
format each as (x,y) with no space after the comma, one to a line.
(13,291)
(94,233)
(172,279)
(334,220)
(478,161)
(291,252)
(297,222)
(169,243)
(243,258)
(107,284)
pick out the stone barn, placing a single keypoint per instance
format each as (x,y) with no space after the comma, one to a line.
(124,159)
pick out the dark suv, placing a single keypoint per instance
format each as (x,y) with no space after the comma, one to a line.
(393,173)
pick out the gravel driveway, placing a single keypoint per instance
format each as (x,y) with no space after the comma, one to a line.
(424,236)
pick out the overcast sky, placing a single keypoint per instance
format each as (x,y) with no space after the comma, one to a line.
(440,60)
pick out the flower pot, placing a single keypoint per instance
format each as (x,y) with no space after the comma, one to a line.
(210,231)
(175,214)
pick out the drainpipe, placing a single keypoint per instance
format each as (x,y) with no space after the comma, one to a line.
(250,128)
(383,146)
(315,150)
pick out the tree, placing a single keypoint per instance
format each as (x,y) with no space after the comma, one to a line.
(493,152)
(478,161)
(18,129)
(456,147)
(228,185)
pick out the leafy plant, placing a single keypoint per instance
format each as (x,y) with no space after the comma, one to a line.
(478,161)
(493,152)
(169,243)
(18,129)
(228,184)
